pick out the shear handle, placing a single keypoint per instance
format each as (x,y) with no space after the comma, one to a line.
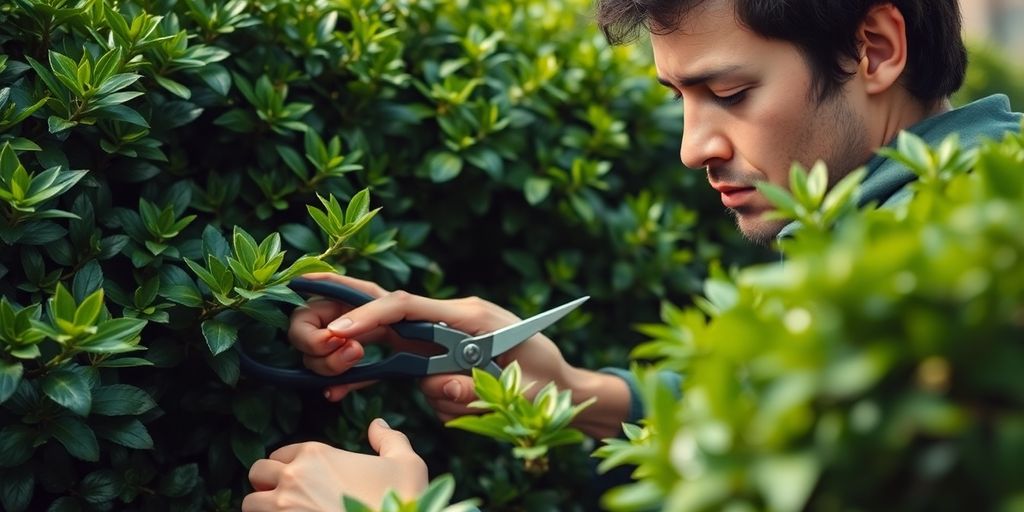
(402,364)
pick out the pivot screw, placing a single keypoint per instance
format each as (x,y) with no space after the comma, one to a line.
(472,353)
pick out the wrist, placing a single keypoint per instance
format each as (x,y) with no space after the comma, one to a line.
(605,416)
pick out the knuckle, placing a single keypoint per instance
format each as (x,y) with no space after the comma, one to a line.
(399,296)
(289,473)
(477,307)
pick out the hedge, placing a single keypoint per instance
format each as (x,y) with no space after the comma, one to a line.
(161,160)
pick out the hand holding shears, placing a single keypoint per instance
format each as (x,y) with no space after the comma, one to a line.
(462,350)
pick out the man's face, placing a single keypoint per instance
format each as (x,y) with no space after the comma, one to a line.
(750,111)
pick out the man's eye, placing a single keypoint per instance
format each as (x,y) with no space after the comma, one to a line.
(730,100)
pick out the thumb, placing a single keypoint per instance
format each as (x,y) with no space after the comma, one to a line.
(389,443)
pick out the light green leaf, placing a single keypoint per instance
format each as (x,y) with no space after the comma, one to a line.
(786,481)
(89,310)
(173,87)
(536,189)
(444,166)
(114,336)
(437,495)
(358,206)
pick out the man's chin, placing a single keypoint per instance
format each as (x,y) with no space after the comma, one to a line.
(758,230)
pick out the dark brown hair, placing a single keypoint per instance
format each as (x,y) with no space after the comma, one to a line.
(824,31)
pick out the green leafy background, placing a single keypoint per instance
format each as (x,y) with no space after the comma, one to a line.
(168,165)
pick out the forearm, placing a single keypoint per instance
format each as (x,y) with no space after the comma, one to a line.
(605,416)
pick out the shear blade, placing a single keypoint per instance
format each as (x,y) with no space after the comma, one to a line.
(506,338)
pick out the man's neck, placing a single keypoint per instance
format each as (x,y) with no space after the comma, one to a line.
(907,112)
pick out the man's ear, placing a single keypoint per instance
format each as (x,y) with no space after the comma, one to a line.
(883,48)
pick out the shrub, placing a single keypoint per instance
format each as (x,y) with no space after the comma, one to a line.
(160,164)
(876,369)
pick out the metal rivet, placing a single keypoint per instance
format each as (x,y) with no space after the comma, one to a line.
(472,353)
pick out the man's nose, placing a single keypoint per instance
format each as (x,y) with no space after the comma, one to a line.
(704,141)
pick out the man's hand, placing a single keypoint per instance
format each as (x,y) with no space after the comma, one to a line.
(330,335)
(314,476)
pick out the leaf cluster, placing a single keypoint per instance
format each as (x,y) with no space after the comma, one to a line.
(533,427)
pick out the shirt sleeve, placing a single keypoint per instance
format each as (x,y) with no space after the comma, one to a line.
(637,411)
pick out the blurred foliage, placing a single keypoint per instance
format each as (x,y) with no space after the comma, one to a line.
(877,368)
(167,165)
(989,71)
(434,499)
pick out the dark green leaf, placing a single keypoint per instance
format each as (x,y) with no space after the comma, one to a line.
(179,482)
(123,114)
(127,432)
(225,366)
(16,489)
(87,280)
(217,77)
(68,389)
(120,400)
(178,287)
(252,411)
(247,446)
(76,436)
(42,233)
(10,376)
(219,335)
(99,487)
(17,442)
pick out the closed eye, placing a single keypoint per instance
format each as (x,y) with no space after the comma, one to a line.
(730,100)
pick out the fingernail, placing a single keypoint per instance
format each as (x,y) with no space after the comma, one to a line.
(382,423)
(340,324)
(453,389)
(327,394)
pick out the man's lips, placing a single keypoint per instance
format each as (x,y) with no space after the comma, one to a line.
(733,196)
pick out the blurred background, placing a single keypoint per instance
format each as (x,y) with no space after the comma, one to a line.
(999,23)
(994,31)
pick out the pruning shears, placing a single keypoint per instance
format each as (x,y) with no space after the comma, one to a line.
(464,351)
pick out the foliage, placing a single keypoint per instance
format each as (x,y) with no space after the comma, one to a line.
(533,427)
(874,369)
(166,166)
(991,72)
(434,499)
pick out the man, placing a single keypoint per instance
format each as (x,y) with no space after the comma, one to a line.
(763,83)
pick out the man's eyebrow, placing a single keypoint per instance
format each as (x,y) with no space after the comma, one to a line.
(702,78)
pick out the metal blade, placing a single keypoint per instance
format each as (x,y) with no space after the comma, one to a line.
(507,337)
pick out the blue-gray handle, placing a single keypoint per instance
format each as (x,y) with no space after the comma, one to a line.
(398,365)
(402,364)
